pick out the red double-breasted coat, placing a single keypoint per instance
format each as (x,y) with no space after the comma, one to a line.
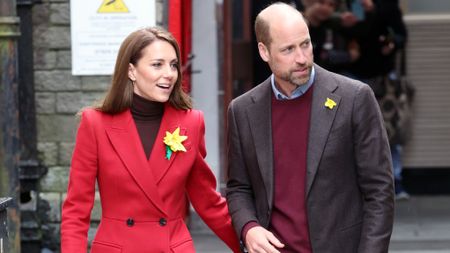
(143,201)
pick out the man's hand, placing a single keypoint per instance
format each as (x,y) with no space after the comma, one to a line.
(348,19)
(368,5)
(260,240)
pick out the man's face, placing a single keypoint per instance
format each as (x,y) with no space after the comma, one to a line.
(290,55)
(325,9)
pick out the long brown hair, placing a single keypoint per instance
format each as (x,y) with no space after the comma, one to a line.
(120,94)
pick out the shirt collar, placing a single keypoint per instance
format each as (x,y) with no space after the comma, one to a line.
(298,92)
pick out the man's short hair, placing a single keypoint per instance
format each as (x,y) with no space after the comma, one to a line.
(262,31)
(262,26)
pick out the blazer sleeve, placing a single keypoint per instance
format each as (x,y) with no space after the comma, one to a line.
(209,204)
(239,193)
(77,207)
(374,169)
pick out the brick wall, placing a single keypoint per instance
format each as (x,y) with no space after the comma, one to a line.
(59,96)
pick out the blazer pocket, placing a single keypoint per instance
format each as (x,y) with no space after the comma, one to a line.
(186,246)
(351,227)
(105,247)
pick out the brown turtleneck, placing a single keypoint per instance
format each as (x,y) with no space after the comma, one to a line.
(147,116)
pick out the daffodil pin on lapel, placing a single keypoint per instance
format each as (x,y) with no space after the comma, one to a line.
(330,103)
(174,142)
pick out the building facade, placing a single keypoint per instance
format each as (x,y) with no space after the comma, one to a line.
(221,69)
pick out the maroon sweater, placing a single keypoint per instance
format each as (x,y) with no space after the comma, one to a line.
(290,127)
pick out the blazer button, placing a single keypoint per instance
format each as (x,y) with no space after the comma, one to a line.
(130,222)
(162,222)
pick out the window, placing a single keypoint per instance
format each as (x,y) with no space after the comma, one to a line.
(425,7)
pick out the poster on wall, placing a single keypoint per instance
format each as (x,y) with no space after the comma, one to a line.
(98,27)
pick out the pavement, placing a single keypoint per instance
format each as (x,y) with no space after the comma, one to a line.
(421,225)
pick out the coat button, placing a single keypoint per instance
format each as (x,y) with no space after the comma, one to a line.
(130,222)
(162,222)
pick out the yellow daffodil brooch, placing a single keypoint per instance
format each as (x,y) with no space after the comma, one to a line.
(174,142)
(330,103)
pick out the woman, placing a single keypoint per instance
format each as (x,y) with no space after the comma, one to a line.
(145,147)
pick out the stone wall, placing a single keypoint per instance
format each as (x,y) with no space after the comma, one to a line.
(59,96)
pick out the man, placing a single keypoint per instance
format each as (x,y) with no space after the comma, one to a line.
(309,159)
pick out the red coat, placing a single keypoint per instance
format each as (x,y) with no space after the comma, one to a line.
(144,202)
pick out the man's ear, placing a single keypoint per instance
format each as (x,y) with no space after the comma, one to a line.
(263,51)
(131,71)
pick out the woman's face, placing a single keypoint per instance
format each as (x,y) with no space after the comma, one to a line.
(155,73)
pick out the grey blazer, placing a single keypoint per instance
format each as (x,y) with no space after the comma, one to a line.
(350,192)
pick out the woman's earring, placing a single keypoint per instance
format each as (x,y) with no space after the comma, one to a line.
(132,82)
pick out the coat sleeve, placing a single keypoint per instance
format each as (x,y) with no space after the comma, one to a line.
(209,204)
(374,172)
(77,207)
(239,194)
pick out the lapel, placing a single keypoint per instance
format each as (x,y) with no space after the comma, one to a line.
(157,162)
(321,121)
(259,115)
(126,141)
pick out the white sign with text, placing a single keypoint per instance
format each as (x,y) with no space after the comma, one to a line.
(98,27)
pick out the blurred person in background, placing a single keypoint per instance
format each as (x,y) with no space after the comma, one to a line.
(334,45)
(378,67)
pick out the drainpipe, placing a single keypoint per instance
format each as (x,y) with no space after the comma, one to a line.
(9,119)
(30,168)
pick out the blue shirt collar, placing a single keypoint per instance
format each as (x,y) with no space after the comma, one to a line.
(302,89)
